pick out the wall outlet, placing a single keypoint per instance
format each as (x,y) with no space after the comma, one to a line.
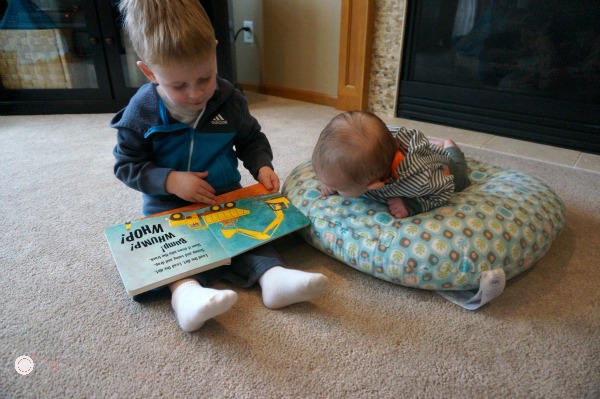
(249,36)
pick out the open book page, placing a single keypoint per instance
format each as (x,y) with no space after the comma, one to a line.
(264,219)
(150,253)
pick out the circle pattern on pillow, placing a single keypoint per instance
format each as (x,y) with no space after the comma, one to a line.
(505,219)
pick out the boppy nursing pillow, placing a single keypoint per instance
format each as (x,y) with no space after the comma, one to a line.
(504,219)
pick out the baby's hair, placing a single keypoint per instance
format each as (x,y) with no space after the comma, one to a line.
(357,153)
(167,31)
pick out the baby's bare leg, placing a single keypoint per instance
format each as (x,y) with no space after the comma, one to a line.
(397,207)
(443,143)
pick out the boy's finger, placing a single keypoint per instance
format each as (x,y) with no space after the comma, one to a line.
(201,175)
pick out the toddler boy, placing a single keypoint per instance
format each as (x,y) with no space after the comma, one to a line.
(178,142)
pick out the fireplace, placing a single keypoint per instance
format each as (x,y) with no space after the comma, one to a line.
(526,69)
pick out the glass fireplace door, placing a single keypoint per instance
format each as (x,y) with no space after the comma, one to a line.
(521,68)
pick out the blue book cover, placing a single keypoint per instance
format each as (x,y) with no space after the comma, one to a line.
(159,250)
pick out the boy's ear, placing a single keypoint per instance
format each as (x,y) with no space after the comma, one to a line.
(146,71)
(375,184)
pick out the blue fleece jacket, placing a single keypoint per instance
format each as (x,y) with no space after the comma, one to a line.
(151,144)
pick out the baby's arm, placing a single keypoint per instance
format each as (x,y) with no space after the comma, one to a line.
(190,186)
(397,207)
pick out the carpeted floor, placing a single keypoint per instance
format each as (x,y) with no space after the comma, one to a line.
(64,305)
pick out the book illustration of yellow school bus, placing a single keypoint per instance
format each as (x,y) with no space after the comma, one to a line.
(227,214)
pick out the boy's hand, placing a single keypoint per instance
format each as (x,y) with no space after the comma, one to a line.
(326,191)
(397,207)
(191,187)
(268,178)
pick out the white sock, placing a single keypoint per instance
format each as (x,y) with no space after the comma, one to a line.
(282,287)
(194,304)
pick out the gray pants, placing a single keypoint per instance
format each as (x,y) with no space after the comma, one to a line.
(458,168)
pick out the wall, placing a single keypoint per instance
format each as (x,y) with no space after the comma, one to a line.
(248,56)
(296,44)
(301,47)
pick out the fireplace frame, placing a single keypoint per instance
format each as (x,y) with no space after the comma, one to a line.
(568,124)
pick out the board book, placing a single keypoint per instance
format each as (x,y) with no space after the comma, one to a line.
(167,247)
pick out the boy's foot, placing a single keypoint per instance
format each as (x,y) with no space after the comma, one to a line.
(194,304)
(282,287)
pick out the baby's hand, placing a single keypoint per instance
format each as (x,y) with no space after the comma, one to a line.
(397,207)
(191,187)
(268,178)
(327,191)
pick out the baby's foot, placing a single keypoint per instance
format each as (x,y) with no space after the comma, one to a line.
(282,287)
(194,304)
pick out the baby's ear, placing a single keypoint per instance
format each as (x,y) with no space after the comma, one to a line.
(375,184)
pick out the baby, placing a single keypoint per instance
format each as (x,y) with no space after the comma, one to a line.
(357,155)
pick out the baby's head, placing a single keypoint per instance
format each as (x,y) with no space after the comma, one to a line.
(354,153)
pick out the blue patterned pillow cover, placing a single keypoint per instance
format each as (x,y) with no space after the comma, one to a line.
(505,219)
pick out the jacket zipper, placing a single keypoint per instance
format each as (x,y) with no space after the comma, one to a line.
(192,131)
(189,168)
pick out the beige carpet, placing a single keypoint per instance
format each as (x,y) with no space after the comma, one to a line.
(64,306)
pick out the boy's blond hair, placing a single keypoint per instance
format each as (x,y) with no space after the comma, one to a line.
(167,31)
(358,154)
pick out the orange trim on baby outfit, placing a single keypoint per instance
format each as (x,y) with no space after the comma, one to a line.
(398,158)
